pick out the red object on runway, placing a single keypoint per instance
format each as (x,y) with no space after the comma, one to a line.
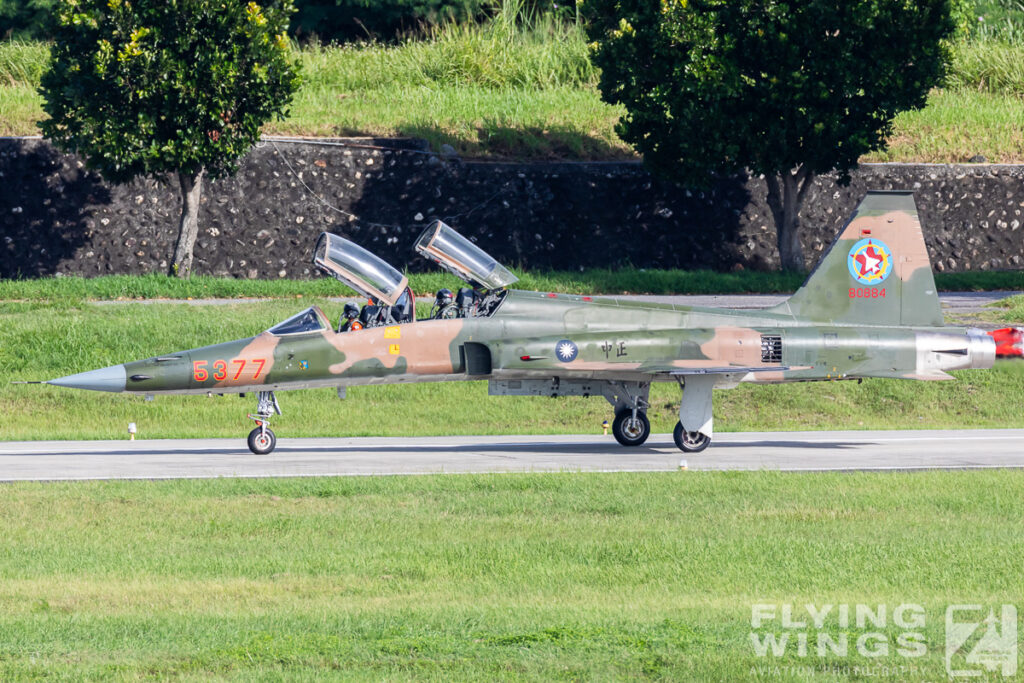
(1009,342)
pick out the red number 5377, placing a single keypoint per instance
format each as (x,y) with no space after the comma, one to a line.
(221,369)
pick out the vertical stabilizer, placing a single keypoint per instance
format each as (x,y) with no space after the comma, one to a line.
(877,271)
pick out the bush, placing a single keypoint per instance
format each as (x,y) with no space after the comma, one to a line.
(25,19)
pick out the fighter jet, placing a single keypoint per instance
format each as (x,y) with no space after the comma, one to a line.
(869,309)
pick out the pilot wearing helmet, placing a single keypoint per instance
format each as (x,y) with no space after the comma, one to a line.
(349,319)
(442,301)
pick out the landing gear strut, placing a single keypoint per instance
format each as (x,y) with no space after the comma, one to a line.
(261,439)
(629,399)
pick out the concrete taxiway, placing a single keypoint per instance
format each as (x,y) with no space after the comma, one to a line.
(785,451)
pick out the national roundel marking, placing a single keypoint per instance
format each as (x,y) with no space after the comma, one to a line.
(870,261)
(566,351)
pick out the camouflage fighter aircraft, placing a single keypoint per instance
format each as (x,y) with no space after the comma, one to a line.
(870,309)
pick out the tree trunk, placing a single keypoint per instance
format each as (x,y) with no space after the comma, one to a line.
(786,194)
(188,228)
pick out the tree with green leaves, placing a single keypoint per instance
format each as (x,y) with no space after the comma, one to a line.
(785,88)
(24,19)
(169,88)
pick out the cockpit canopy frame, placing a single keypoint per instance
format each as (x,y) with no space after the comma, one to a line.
(310,320)
(443,245)
(354,266)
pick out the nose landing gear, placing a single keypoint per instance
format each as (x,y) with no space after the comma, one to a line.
(262,440)
(631,427)
(629,399)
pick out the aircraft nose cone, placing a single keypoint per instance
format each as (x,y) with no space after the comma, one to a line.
(104,379)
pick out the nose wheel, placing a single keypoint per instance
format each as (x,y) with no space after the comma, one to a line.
(261,439)
(690,442)
(631,427)
(629,400)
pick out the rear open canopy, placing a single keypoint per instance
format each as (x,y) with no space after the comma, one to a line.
(441,244)
(349,263)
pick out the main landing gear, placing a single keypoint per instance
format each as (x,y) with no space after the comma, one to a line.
(696,425)
(261,439)
(691,442)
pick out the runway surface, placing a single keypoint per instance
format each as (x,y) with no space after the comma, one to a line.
(786,451)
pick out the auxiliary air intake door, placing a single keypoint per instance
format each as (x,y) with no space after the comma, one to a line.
(354,266)
(455,253)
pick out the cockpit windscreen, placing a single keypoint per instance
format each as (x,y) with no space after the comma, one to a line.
(310,320)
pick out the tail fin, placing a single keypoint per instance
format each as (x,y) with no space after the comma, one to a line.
(876,272)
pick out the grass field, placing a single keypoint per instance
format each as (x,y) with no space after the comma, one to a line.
(500,577)
(589,281)
(48,340)
(1011,310)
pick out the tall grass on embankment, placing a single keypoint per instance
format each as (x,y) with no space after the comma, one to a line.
(989,65)
(522,86)
(514,49)
(1001,20)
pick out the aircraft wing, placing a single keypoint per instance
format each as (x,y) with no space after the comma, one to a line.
(655,369)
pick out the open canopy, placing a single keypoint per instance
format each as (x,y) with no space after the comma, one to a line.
(349,263)
(453,252)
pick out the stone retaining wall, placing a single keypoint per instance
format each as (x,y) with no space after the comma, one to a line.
(56,217)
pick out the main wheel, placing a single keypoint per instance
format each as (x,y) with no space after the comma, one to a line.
(261,442)
(691,442)
(630,432)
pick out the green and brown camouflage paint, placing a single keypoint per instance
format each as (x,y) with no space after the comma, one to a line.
(834,327)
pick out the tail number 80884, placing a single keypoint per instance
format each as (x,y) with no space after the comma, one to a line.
(867,293)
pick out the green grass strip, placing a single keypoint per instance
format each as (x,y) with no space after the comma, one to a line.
(589,281)
(500,577)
